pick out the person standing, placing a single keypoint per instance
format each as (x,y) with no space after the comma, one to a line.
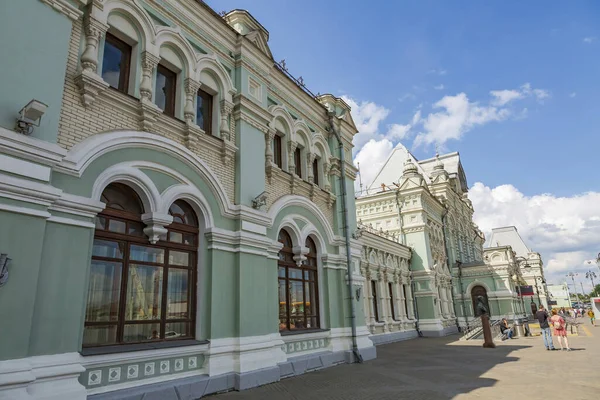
(592,316)
(542,316)
(558,324)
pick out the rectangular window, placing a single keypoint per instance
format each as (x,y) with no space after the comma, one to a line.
(315,168)
(115,63)
(204,105)
(298,162)
(277,158)
(374,293)
(254,89)
(392,308)
(164,93)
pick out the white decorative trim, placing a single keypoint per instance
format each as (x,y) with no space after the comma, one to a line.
(254,228)
(24,211)
(52,377)
(24,168)
(84,153)
(71,221)
(293,200)
(63,7)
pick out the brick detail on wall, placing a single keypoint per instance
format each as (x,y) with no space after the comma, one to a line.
(77,123)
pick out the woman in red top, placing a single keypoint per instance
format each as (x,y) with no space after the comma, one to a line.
(558,323)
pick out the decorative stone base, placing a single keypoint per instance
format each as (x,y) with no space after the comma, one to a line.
(199,386)
(391,337)
(437,328)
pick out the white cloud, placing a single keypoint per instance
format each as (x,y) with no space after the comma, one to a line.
(459,115)
(371,158)
(502,97)
(589,39)
(439,87)
(397,132)
(367,116)
(437,71)
(572,95)
(407,96)
(564,230)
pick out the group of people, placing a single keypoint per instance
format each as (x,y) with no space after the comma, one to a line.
(557,324)
(579,313)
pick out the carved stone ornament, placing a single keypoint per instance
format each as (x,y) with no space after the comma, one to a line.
(156,226)
(228,150)
(90,85)
(191,90)
(226,109)
(4,262)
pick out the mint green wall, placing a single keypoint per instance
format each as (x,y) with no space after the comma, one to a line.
(421,252)
(83,186)
(249,163)
(21,237)
(33,62)
(351,204)
(62,290)
(223,295)
(258,298)
(425,307)
(161,180)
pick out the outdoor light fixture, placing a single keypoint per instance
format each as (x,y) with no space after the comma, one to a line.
(30,116)
(357,293)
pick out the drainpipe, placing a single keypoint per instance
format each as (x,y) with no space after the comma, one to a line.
(448,261)
(412,283)
(346,230)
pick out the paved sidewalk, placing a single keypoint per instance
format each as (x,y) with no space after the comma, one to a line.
(444,368)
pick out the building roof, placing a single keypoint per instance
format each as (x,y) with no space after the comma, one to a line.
(391,171)
(508,236)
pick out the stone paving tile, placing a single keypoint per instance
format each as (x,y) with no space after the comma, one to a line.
(443,368)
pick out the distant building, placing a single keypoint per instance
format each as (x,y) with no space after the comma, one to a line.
(559,295)
(529,262)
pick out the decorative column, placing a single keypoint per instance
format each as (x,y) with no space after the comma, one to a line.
(310,159)
(191,92)
(409,294)
(269,137)
(192,131)
(291,160)
(227,131)
(91,84)
(449,296)
(149,64)
(326,180)
(149,111)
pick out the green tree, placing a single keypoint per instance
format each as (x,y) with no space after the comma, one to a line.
(595,292)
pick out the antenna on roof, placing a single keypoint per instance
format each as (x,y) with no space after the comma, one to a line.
(359,177)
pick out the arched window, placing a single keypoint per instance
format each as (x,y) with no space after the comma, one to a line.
(298,295)
(140,292)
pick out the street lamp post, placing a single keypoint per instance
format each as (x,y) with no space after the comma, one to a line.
(591,275)
(572,275)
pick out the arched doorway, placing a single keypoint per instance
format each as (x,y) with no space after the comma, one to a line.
(475,293)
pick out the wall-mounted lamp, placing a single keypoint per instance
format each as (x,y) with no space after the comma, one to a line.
(259,201)
(30,116)
(357,293)
(4,261)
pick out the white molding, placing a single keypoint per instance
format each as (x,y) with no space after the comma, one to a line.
(254,228)
(29,148)
(63,7)
(71,221)
(24,168)
(53,377)
(24,211)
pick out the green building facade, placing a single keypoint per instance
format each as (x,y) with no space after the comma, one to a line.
(174,224)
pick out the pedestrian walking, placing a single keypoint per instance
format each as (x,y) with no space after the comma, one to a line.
(542,316)
(592,316)
(558,324)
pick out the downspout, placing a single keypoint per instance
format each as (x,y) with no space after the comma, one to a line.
(448,261)
(346,230)
(412,283)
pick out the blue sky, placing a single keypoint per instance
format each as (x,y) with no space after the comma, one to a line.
(395,61)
